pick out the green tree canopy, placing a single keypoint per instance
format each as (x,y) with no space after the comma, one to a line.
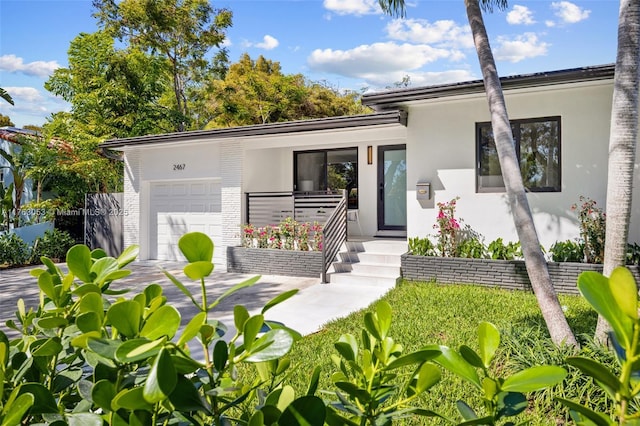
(183,33)
(257,92)
(5,121)
(113,93)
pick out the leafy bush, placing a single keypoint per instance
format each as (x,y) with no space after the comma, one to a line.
(499,250)
(421,247)
(85,357)
(567,251)
(53,244)
(616,300)
(633,254)
(472,248)
(13,251)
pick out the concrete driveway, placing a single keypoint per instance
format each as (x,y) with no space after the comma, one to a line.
(307,312)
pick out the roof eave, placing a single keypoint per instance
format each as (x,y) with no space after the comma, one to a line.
(332,123)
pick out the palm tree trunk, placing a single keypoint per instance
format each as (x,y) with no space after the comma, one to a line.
(622,143)
(534,259)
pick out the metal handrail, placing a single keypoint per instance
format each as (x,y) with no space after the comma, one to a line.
(334,234)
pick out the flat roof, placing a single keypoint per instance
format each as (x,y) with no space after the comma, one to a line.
(395,97)
(331,123)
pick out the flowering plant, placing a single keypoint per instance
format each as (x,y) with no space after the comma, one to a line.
(287,235)
(448,228)
(317,236)
(592,229)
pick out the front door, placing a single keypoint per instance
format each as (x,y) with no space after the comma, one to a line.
(392,188)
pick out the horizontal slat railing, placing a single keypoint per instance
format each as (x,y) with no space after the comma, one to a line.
(270,208)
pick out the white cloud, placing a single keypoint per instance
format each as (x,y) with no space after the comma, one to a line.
(444,33)
(15,64)
(520,15)
(268,43)
(353,7)
(369,60)
(569,13)
(24,94)
(522,47)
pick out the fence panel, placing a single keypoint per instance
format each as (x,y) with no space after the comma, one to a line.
(103,224)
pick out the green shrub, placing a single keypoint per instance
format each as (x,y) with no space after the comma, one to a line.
(13,251)
(472,248)
(53,244)
(567,251)
(85,357)
(633,254)
(499,250)
(421,247)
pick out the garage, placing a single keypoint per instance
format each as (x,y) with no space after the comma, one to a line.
(178,207)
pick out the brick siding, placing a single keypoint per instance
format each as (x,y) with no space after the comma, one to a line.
(508,274)
(274,262)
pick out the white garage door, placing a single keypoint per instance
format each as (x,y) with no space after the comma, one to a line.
(184,206)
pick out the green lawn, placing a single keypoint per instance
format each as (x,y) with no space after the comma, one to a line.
(426,313)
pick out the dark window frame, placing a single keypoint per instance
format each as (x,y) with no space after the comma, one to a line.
(516,128)
(352,204)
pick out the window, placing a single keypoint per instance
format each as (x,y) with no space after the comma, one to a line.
(537,144)
(323,170)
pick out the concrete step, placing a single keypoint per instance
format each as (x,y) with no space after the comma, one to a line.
(387,246)
(350,278)
(373,269)
(370,258)
(368,263)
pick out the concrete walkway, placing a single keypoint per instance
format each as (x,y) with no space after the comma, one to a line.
(307,312)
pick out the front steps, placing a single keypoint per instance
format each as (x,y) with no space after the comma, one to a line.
(374,262)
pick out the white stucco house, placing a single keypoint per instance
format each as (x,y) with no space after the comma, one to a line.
(422,146)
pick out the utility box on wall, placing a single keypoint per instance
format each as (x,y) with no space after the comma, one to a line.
(423,190)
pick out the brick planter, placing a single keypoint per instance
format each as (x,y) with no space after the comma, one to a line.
(508,274)
(274,262)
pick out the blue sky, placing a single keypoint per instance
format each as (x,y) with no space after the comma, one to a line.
(349,44)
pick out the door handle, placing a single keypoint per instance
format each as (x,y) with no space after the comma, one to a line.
(381,192)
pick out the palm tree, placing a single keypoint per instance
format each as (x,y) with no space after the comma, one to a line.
(622,142)
(534,258)
(6,96)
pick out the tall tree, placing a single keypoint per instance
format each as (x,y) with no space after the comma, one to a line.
(113,93)
(5,121)
(534,258)
(181,31)
(6,96)
(622,142)
(257,92)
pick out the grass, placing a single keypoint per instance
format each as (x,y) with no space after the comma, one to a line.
(426,313)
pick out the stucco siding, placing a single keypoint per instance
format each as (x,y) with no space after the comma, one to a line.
(441,149)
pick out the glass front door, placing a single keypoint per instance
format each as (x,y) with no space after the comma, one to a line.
(392,187)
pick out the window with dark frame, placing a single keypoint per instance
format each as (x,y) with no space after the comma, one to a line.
(537,142)
(327,169)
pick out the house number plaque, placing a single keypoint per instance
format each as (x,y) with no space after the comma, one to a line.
(179,167)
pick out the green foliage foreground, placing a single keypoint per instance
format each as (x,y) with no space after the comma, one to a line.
(88,355)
